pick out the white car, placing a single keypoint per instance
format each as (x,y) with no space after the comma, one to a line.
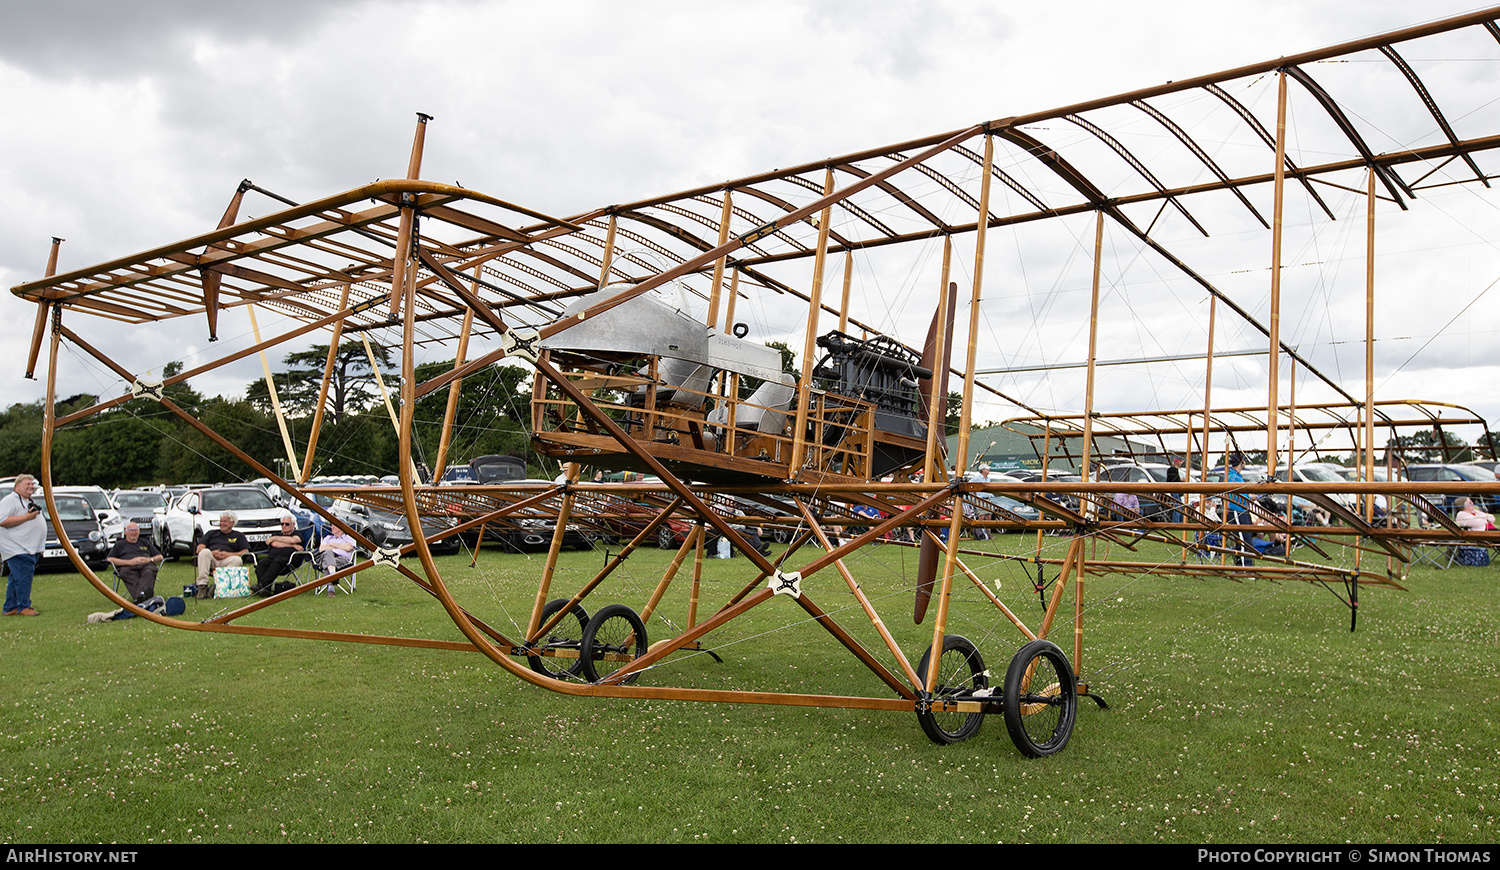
(109,517)
(1319,474)
(186,520)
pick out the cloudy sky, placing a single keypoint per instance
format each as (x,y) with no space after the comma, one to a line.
(129,124)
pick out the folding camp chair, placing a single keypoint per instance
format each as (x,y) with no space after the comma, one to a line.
(1206,541)
(300,567)
(333,587)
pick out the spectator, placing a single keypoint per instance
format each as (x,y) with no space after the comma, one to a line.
(335,553)
(23,534)
(280,549)
(136,561)
(1472,518)
(1238,506)
(220,548)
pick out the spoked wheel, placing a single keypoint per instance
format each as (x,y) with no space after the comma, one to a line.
(664,538)
(613,638)
(567,635)
(1041,699)
(960,674)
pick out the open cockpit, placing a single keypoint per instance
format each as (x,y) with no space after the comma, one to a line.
(720,408)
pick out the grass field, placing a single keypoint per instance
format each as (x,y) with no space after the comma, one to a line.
(1240,712)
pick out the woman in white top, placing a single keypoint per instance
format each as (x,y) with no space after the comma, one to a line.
(1472,518)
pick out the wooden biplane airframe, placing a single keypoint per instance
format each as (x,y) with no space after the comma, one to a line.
(847,451)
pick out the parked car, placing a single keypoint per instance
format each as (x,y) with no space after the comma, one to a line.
(306,516)
(671,534)
(1449,473)
(1150,507)
(109,517)
(1317,474)
(456,474)
(195,512)
(78,520)
(141,507)
(494,468)
(1003,506)
(390,528)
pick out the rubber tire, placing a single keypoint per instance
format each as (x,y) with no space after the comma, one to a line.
(612,630)
(665,540)
(566,635)
(1040,728)
(960,672)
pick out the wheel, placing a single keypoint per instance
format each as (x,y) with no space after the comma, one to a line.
(665,540)
(960,674)
(566,635)
(1041,699)
(611,639)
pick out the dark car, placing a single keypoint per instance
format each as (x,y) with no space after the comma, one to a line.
(496,468)
(78,521)
(761,517)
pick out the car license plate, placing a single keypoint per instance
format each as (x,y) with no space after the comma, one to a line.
(55,553)
(259,539)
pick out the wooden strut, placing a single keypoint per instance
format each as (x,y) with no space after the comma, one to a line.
(859,595)
(748,601)
(208,367)
(956,522)
(265,366)
(693,264)
(312,505)
(559,534)
(1274,326)
(317,423)
(38,329)
(645,535)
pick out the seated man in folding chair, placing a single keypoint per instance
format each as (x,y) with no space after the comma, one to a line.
(282,550)
(136,562)
(335,553)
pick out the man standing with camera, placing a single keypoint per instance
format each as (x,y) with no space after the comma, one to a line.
(23,532)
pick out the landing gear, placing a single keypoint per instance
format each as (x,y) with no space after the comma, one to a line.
(960,674)
(567,636)
(1041,699)
(613,638)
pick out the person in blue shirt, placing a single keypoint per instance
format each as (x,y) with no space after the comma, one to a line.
(1238,504)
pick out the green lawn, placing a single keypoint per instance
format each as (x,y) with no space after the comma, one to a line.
(1239,712)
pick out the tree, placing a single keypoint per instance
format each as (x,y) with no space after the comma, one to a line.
(493,414)
(1433,445)
(21,438)
(117,449)
(953,414)
(182,395)
(352,382)
(189,455)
